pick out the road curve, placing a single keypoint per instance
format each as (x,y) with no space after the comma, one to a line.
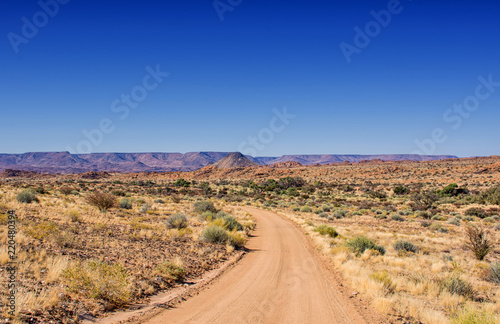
(278,281)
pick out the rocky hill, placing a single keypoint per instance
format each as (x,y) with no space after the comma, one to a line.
(234,160)
(64,162)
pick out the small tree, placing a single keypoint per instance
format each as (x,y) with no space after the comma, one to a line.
(425,200)
(103,201)
(477,241)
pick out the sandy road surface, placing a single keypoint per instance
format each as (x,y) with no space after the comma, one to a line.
(278,281)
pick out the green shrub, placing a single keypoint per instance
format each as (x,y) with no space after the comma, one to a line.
(452,190)
(306,209)
(377,194)
(477,212)
(296,209)
(182,183)
(125,203)
(494,275)
(438,227)
(401,190)
(98,280)
(478,242)
(27,196)
(397,217)
(178,221)
(360,244)
(214,234)
(455,285)
(230,222)
(425,200)
(145,208)
(171,271)
(491,196)
(454,221)
(326,207)
(471,315)
(340,213)
(204,206)
(326,230)
(382,277)
(405,246)
(424,214)
(236,239)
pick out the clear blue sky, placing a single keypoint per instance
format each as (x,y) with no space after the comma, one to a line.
(226,76)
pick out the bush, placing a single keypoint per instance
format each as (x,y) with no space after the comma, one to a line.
(455,285)
(306,209)
(178,221)
(230,222)
(65,190)
(382,277)
(425,200)
(397,217)
(145,208)
(236,239)
(477,242)
(401,190)
(326,208)
(360,244)
(405,246)
(454,221)
(125,203)
(377,194)
(424,215)
(214,234)
(494,275)
(27,196)
(204,206)
(326,230)
(477,212)
(438,227)
(340,213)
(452,190)
(103,201)
(492,195)
(170,270)
(98,280)
(471,315)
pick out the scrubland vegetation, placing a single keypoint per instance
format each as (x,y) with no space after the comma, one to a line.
(86,247)
(420,241)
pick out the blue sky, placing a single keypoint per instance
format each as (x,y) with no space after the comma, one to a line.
(226,78)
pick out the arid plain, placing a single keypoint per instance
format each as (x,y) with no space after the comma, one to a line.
(387,242)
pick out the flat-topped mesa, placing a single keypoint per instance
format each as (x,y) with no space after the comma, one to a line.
(234,160)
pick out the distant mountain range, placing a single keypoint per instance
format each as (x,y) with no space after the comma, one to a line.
(64,162)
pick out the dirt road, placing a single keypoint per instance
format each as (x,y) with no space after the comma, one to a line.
(278,281)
